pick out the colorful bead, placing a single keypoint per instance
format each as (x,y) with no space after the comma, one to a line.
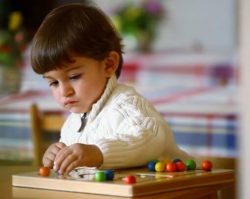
(151,165)
(100,176)
(190,164)
(170,167)
(206,165)
(130,179)
(44,171)
(180,166)
(159,166)
(109,174)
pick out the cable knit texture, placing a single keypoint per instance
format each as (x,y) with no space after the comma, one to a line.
(126,127)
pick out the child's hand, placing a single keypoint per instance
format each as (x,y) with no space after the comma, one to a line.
(77,155)
(50,154)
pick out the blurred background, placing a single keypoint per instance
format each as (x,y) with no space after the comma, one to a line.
(180,55)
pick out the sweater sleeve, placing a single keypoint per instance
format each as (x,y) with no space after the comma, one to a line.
(131,150)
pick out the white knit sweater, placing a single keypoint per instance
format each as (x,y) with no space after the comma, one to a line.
(126,127)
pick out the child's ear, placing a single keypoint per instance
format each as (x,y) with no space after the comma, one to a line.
(111,63)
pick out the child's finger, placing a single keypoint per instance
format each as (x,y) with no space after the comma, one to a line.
(66,163)
(60,157)
(47,162)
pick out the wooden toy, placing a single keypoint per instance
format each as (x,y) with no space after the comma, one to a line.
(44,171)
(145,183)
(206,165)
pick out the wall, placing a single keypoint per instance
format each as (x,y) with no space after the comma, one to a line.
(244,146)
(193,23)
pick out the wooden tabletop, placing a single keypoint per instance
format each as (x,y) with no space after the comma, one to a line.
(8,191)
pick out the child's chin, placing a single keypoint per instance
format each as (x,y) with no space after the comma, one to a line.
(76,110)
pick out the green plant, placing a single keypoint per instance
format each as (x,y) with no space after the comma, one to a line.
(139,19)
(12,41)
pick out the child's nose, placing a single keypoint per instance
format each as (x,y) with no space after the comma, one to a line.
(66,90)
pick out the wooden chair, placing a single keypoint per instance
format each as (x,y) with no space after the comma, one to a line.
(43,122)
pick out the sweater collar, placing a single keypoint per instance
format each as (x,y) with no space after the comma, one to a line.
(97,107)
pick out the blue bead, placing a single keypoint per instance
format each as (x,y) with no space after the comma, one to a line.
(151,165)
(109,174)
(177,160)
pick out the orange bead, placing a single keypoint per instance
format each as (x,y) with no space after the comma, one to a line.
(44,171)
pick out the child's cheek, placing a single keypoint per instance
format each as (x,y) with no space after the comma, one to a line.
(57,97)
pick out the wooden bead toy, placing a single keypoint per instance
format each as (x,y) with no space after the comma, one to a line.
(159,166)
(130,179)
(180,166)
(109,174)
(100,176)
(44,171)
(206,165)
(170,167)
(151,165)
(190,164)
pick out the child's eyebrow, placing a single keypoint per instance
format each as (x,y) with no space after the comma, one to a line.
(47,77)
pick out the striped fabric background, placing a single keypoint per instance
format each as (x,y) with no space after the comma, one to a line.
(202,112)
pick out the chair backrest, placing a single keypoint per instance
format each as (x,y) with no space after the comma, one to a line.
(43,122)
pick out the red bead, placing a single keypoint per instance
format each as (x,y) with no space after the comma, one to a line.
(206,165)
(180,166)
(130,179)
(170,167)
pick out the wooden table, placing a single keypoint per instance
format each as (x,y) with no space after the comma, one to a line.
(176,190)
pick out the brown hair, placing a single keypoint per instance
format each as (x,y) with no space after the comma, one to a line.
(81,29)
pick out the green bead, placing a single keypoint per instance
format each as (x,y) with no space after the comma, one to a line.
(190,164)
(100,176)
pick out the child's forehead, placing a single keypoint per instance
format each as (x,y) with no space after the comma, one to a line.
(62,69)
(72,61)
(75,63)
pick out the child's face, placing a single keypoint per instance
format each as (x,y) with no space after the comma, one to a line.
(78,85)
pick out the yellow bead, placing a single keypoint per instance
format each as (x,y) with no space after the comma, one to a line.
(159,166)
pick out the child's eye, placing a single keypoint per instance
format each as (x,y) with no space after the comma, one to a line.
(53,83)
(75,77)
